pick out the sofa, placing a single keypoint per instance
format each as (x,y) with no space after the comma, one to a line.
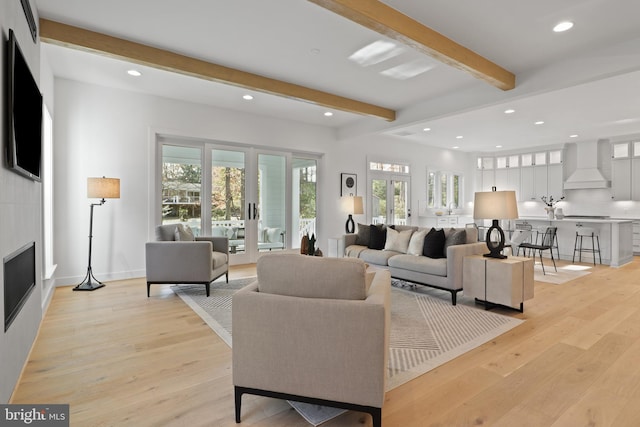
(426,256)
(313,330)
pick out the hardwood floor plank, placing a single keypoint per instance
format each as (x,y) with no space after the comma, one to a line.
(121,359)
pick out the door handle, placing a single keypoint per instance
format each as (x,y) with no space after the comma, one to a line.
(255,211)
(249,211)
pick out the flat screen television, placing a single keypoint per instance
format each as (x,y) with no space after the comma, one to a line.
(24,143)
(19,280)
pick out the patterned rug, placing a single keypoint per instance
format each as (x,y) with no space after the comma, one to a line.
(426,330)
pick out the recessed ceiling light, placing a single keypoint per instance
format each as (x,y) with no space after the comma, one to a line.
(315,51)
(455,147)
(247,97)
(498,146)
(134,73)
(459,137)
(376,52)
(426,129)
(509,111)
(573,136)
(328,114)
(539,122)
(563,26)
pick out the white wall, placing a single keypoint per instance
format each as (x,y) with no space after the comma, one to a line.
(100,131)
(20,214)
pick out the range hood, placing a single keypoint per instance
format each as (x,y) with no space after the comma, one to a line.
(587,174)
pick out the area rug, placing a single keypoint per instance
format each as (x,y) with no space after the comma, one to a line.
(564,274)
(426,331)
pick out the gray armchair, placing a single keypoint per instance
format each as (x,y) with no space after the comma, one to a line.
(313,330)
(202,260)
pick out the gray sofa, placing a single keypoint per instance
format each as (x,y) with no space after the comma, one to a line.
(441,273)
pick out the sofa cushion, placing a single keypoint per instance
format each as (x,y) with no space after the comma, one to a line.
(378,257)
(397,240)
(311,277)
(454,237)
(354,251)
(377,236)
(362,238)
(183,234)
(434,244)
(420,264)
(416,244)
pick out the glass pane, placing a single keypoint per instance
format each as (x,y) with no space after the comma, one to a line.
(181,183)
(456,190)
(636,148)
(501,162)
(400,205)
(443,190)
(431,189)
(487,163)
(527,159)
(304,199)
(620,151)
(555,157)
(271,202)
(228,197)
(514,161)
(379,201)
(541,158)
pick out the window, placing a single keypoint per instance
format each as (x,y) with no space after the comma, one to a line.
(444,189)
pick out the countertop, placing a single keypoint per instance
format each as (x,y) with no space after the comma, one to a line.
(582,220)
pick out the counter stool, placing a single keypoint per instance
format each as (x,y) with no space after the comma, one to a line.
(582,232)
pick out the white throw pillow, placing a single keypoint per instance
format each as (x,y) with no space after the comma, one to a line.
(416,243)
(184,234)
(397,240)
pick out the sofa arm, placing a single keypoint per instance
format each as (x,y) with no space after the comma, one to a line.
(349,239)
(311,346)
(178,262)
(220,244)
(455,258)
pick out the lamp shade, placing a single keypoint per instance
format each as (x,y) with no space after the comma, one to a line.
(352,205)
(103,188)
(495,205)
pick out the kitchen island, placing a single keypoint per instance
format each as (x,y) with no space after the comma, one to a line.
(616,237)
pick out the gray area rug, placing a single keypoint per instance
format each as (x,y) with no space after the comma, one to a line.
(426,330)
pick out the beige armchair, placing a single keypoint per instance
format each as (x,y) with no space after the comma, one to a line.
(171,260)
(313,330)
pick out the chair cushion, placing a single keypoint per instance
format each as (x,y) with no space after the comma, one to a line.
(166,232)
(218,259)
(311,277)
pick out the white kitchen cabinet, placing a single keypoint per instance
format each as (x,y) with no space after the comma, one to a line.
(621,179)
(527,184)
(540,181)
(635,178)
(636,237)
(555,181)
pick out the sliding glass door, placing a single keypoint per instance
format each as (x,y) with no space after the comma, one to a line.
(262,201)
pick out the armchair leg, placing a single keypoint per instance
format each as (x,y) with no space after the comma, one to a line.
(207,288)
(148,289)
(376,415)
(227,275)
(238,402)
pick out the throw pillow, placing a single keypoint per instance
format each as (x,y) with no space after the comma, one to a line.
(363,236)
(377,236)
(184,234)
(455,237)
(434,244)
(397,240)
(416,244)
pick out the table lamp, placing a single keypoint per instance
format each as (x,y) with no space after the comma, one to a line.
(495,205)
(353,206)
(97,188)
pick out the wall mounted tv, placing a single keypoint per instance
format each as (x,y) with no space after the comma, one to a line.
(24,143)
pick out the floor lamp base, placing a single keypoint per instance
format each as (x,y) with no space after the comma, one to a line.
(89,283)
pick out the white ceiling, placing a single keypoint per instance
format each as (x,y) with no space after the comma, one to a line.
(585,81)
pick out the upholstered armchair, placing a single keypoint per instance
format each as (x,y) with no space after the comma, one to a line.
(313,330)
(178,257)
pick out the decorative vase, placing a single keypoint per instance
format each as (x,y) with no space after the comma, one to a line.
(551,213)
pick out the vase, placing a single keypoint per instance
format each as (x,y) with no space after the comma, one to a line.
(551,213)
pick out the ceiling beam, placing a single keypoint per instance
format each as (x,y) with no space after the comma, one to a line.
(387,21)
(77,38)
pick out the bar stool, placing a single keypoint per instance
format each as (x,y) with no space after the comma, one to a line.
(582,232)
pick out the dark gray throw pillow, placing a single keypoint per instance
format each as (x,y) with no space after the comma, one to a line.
(363,236)
(377,236)
(434,244)
(455,237)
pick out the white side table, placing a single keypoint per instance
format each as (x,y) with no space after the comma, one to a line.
(335,248)
(492,281)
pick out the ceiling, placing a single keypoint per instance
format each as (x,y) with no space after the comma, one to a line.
(582,82)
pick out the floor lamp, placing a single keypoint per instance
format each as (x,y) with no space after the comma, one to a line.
(495,205)
(97,188)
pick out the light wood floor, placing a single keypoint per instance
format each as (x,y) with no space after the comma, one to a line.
(120,358)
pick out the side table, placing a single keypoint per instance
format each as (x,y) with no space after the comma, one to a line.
(336,247)
(505,282)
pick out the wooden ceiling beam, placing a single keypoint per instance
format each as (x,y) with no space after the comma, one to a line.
(389,22)
(77,38)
